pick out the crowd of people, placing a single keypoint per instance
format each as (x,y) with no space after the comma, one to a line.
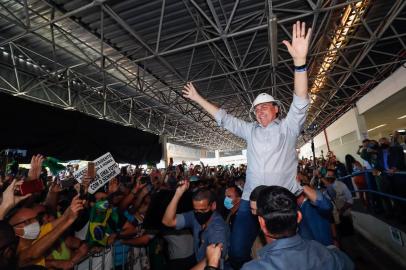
(183,210)
(375,168)
(185,214)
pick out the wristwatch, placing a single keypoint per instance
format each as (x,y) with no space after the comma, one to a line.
(208,267)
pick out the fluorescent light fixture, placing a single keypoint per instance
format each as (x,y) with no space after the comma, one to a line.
(401,130)
(401,117)
(349,21)
(369,130)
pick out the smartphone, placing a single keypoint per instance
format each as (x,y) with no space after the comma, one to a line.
(28,187)
(91,170)
(82,194)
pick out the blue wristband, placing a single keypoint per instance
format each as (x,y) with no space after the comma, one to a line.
(300,68)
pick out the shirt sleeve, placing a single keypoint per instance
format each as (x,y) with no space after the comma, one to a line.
(219,234)
(323,202)
(236,126)
(296,116)
(184,220)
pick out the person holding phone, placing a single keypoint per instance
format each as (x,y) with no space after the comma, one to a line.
(271,141)
(36,240)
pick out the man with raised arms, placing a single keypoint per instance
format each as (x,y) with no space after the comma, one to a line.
(271,142)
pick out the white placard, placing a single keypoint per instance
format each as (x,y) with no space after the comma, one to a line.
(106,169)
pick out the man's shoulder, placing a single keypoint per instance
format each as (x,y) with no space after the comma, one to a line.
(187,215)
(217,221)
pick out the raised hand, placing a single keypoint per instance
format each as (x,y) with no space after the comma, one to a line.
(113,185)
(73,211)
(213,254)
(138,185)
(55,188)
(9,199)
(300,43)
(182,186)
(190,92)
(36,167)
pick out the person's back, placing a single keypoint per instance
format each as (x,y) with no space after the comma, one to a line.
(279,216)
(297,253)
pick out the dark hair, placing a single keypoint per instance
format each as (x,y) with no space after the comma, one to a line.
(278,207)
(236,189)
(365,140)
(204,194)
(349,160)
(255,193)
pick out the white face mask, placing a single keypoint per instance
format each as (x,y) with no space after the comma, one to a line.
(31,231)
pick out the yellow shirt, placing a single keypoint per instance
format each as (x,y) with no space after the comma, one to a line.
(45,229)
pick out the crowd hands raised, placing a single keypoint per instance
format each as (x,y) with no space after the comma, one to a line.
(58,226)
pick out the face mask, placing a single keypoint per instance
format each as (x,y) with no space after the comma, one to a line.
(228,203)
(202,218)
(31,231)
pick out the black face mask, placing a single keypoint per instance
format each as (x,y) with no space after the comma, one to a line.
(202,218)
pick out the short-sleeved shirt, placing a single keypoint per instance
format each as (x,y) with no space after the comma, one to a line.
(271,150)
(216,232)
(297,253)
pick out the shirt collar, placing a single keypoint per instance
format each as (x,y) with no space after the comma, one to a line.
(281,244)
(276,121)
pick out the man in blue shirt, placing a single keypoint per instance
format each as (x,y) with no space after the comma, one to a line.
(278,218)
(316,209)
(208,227)
(271,142)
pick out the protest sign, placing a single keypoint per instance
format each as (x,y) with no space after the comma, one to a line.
(106,169)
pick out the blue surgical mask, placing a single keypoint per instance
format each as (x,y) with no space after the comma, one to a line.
(228,203)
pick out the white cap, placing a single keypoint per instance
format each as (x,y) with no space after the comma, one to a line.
(263,98)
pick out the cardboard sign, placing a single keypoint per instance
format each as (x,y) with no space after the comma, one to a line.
(106,169)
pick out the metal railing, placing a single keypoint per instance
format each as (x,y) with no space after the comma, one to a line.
(131,258)
(371,183)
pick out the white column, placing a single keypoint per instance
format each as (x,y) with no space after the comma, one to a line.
(164,141)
